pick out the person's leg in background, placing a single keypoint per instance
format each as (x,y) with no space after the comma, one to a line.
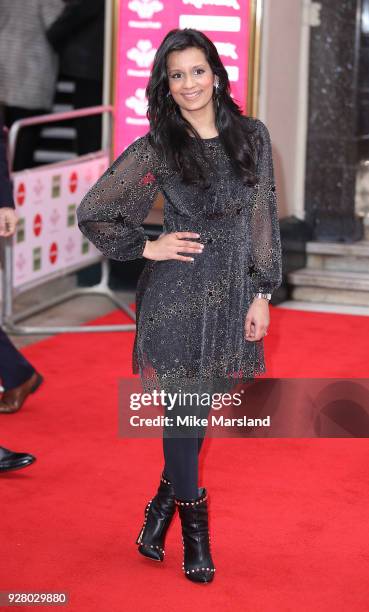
(88,92)
(19,378)
(14,367)
(29,137)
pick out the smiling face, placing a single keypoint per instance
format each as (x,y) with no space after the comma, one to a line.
(190,78)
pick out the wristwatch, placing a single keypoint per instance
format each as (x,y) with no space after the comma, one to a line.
(266,296)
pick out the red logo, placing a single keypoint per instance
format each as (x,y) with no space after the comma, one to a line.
(53,252)
(37,225)
(21,194)
(73,182)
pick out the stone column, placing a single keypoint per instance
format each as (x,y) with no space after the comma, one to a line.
(332,144)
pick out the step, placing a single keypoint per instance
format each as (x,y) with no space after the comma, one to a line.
(324,295)
(338,256)
(358,249)
(59,132)
(64,86)
(335,279)
(343,263)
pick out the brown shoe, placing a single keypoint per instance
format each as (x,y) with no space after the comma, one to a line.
(13,399)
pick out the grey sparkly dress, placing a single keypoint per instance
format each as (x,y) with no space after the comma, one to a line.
(191,316)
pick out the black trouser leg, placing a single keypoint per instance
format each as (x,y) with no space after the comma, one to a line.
(29,137)
(14,368)
(88,92)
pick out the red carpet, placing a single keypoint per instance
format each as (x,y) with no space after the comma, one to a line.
(289,518)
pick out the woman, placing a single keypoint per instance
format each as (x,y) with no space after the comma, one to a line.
(202,299)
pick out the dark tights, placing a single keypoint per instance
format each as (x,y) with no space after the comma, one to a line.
(182,465)
(182,445)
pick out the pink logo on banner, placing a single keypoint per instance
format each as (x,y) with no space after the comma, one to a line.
(20,262)
(37,225)
(53,252)
(21,194)
(38,187)
(143,25)
(73,182)
(55,217)
(70,245)
(88,176)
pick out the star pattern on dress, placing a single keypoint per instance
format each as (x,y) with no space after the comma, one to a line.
(121,218)
(252,271)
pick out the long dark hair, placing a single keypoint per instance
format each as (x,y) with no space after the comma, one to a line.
(169,130)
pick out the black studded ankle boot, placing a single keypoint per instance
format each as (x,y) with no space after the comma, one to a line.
(198,565)
(158,515)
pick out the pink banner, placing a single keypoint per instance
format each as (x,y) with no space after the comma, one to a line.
(143,25)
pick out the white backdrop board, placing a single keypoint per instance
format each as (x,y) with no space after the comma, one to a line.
(47,240)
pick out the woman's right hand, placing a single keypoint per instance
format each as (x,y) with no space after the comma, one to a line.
(168,245)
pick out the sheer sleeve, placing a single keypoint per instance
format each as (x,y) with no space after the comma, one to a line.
(112,212)
(266,248)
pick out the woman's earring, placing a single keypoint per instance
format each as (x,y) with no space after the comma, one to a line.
(216,92)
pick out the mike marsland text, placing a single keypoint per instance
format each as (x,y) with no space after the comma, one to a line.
(193,421)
